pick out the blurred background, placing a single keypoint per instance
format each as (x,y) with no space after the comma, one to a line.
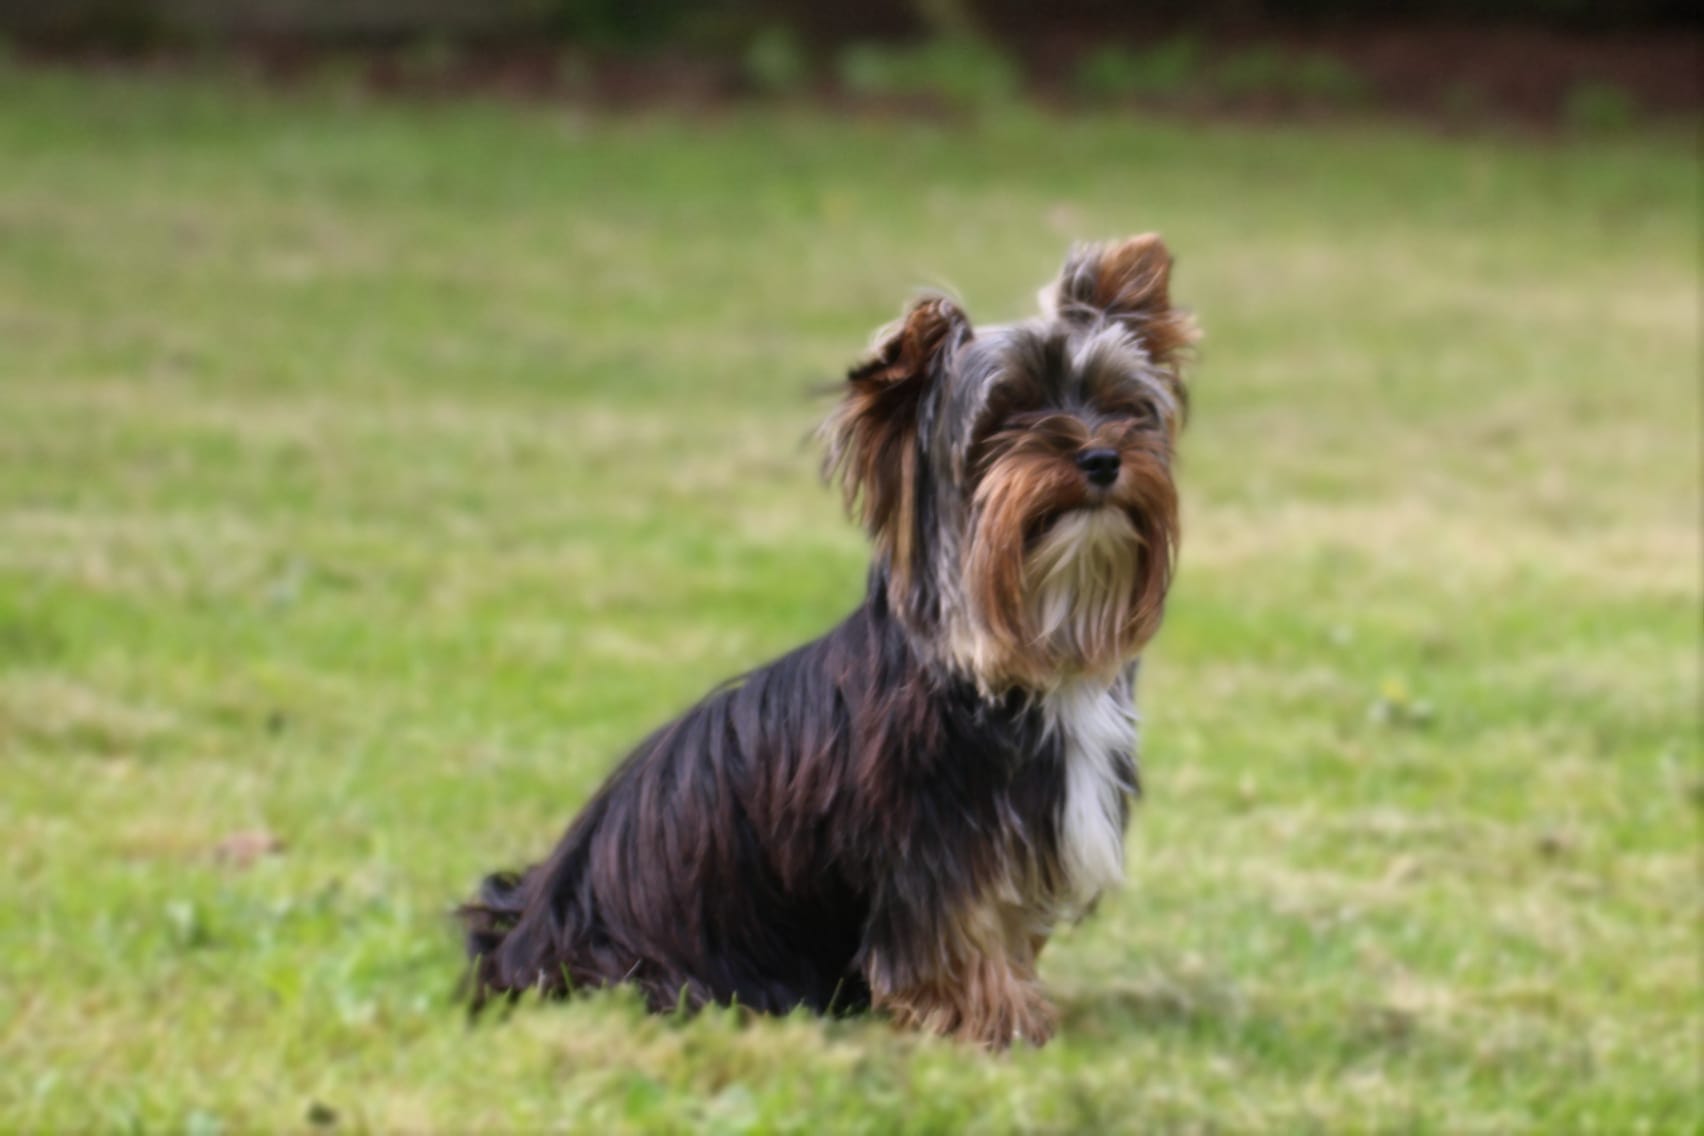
(405,405)
(1571,61)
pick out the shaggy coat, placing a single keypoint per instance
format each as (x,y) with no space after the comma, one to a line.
(899,813)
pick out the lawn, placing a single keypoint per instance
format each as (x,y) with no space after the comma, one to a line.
(372,473)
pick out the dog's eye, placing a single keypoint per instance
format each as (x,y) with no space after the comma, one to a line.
(1027,419)
(1139,413)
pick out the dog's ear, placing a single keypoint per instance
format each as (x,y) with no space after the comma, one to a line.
(1128,281)
(872,435)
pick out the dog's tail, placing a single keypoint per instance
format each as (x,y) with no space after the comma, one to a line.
(492,913)
(486,921)
(535,930)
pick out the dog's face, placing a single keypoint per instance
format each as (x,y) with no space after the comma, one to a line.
(1017,479)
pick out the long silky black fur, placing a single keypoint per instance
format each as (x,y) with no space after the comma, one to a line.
(823,814)
(876,818)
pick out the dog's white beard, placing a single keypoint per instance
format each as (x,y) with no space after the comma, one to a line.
(1082,584)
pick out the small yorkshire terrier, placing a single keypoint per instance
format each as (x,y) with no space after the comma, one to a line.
(897,815)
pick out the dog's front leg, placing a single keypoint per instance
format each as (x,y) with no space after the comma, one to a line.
(960,970)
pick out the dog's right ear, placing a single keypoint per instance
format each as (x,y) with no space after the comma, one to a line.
(872,434)
(1127,281)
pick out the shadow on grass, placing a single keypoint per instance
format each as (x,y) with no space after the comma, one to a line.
(1213,1009)
(1170,1002)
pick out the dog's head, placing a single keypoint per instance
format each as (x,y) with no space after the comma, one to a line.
(1017,480)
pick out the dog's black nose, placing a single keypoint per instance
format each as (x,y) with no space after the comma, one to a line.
(1099,466)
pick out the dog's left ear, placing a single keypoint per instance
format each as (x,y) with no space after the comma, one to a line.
(1128,281)
(872,435)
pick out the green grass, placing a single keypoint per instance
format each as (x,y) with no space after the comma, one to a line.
(372,474)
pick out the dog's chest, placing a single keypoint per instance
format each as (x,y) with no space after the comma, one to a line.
(1096,727)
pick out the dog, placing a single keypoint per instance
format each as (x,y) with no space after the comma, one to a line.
(897,815)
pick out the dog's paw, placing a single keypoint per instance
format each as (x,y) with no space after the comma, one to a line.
(989,1008)
(1028,1018)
